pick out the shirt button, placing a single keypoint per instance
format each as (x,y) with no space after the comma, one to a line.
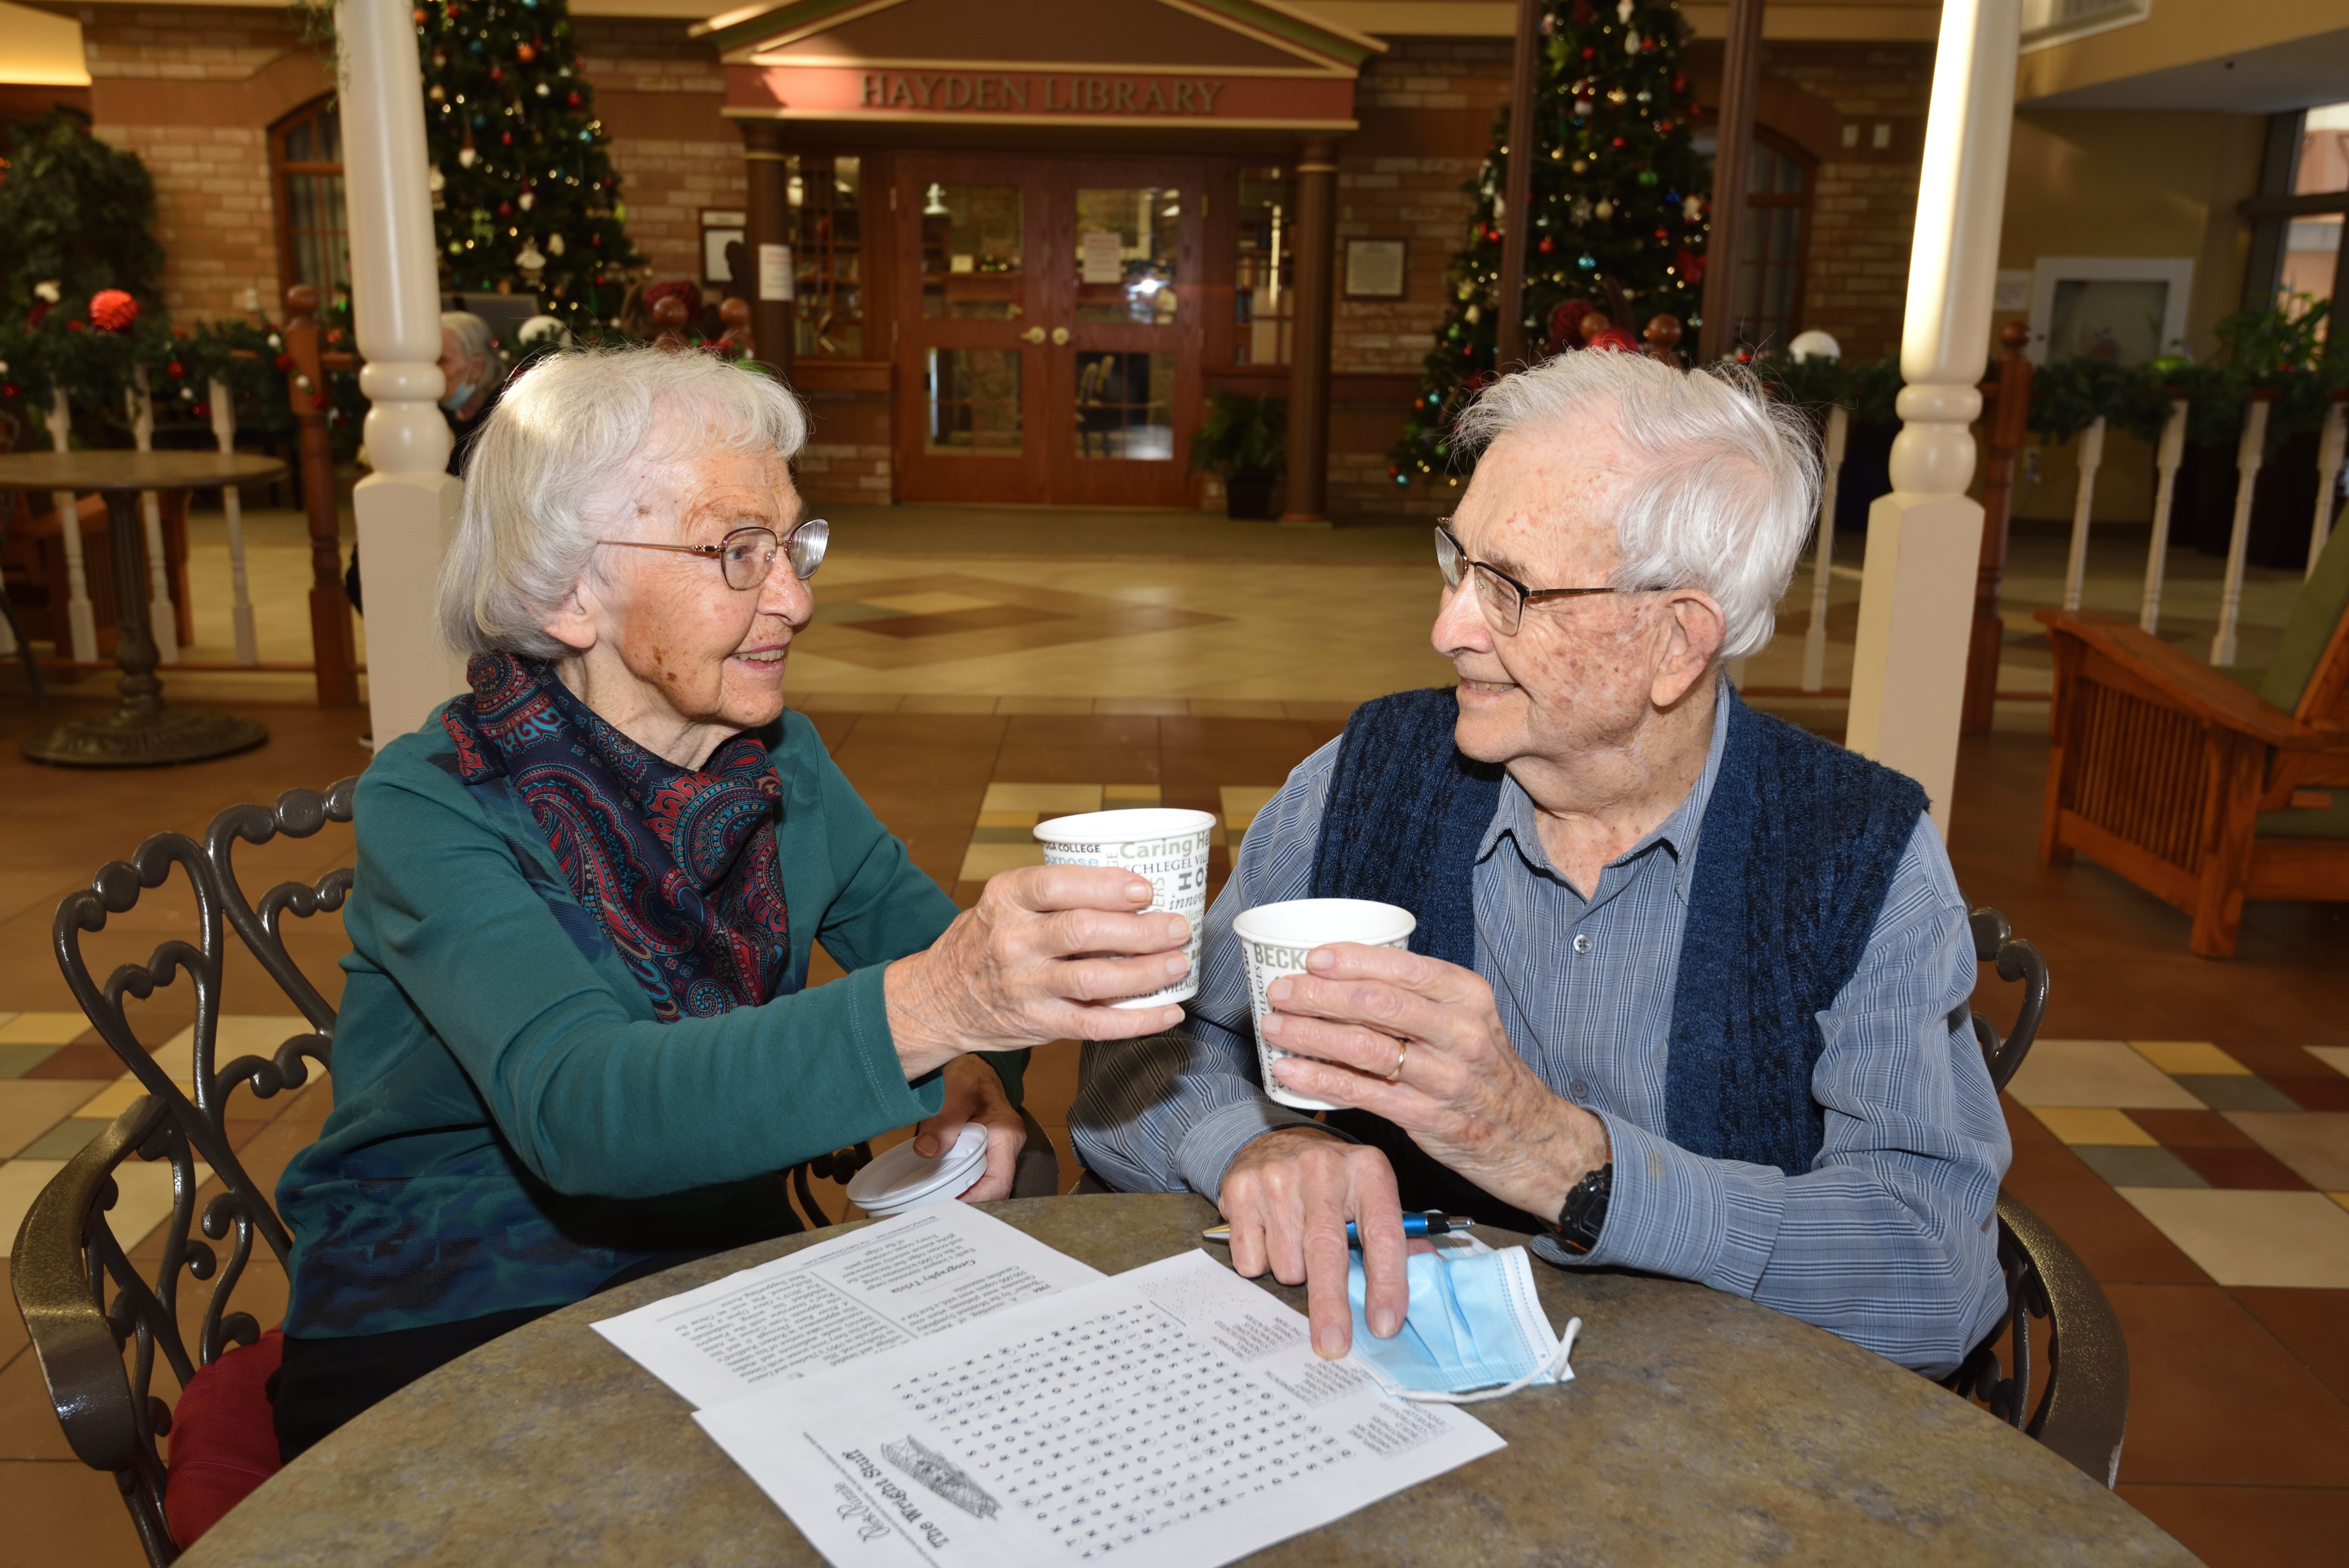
(1581,941)
(1581,1089)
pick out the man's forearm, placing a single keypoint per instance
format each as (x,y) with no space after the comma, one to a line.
(1170,1113)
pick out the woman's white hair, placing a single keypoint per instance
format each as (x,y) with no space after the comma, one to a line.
(1727,483)
(554,447)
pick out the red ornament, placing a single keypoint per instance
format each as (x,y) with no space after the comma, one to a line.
(505,208)
(1589,54)
(572,98)
(1616,143)
(418,15)
(1691,268)
(1492,237)
(318,400)
(1566,325)
(1616,338)
(113,310)
(7,389)
(506,138)
(496,75)
(204,410)
(285,362)
(524,53)
(1680,82)
(1546,246)
(76,324)
(175,370)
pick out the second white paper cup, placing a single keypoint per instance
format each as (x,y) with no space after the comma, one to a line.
(1167,846)
(1276,937)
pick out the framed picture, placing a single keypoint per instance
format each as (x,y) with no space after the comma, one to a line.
(2130,308)
(1375,269)
(720,229)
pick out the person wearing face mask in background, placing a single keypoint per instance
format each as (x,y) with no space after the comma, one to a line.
(471,378)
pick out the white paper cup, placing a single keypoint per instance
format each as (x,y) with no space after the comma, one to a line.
(1275,939)
(1167,846)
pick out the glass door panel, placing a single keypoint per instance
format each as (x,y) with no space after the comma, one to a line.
(970,345)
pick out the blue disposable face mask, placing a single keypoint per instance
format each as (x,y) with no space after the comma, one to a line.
(1475,1330)
(459,396)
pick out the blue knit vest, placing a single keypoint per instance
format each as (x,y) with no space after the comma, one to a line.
(1798,845)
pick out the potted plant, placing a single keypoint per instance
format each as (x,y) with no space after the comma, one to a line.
(1245,441)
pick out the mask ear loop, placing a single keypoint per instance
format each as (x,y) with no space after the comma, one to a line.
(1555,1365)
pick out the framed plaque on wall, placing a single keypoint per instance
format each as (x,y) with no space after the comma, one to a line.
(1375,269)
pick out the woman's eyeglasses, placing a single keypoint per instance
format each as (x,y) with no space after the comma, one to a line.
(1503,597)
(746,557)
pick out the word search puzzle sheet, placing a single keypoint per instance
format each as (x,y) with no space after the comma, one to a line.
(1173,1415)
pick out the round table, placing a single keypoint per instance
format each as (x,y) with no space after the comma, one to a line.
(1699,1428)
(141,731)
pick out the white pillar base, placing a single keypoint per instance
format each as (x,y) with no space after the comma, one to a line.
(1916,616)
(405,525)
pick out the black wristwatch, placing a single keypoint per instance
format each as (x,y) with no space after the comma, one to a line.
(1585,1215)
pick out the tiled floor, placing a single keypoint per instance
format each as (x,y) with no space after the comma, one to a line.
(2185,1125)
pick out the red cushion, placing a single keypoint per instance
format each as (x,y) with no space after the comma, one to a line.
(224,1439)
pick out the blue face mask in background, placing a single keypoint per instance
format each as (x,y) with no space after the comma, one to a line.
(1475,1330)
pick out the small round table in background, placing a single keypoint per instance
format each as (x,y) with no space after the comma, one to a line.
(1700,1428)
(141,731)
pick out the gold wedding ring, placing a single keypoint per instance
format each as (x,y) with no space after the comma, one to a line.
(1403,1049)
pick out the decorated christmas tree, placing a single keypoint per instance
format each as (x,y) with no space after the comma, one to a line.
(523,193)
(1617,226)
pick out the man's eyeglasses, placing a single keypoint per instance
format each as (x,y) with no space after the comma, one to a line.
(1503,597)
(747,556)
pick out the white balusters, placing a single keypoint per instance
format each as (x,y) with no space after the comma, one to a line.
(2329,450)
(1815,641)
(2166,460)
(2084,500)
(162,619)
(2249,456)
(248,641)
(81,621)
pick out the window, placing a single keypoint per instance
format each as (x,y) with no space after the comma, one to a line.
(2311,241)
(827,219)
(1263,278)
(1772,247)
(306,155)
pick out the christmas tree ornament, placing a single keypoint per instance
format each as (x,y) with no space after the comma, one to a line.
(524,201)
(1602,208)
(555,247)
(113,310)
(466,157)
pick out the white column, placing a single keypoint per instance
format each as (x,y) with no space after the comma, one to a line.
(2167,461)
(2329,450)
(248,641)
(2249,457)
(1924,539)
(2084,500)
(407,507)
(162,619)
(1815,641)
(81,621)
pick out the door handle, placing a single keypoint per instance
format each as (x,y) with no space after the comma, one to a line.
(1059,338)
(1033,335)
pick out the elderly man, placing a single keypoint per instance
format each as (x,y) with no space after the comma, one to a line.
(1688,989)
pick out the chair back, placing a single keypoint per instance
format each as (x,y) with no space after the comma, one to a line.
(1995,942)
(2309,677)
(2082,1410)
(83,1299)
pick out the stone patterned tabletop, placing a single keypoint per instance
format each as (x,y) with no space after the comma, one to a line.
(1700,1428)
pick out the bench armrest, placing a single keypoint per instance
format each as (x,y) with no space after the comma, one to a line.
(2194,688)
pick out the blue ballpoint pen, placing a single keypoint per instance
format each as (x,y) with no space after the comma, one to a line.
(1434,1223)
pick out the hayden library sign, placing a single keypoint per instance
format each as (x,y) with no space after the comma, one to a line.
(1225,64)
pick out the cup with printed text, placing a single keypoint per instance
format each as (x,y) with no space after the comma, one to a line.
(1275,939)
(1167,847)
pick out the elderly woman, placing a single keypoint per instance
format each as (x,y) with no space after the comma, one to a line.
(575,1042)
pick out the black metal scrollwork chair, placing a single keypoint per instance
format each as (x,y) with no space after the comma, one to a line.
(2081,1411)
(83,1299)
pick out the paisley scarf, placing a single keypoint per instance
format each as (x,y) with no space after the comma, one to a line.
(678,866)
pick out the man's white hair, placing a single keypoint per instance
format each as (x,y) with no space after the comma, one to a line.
(1726,485)
(539,481)
(474,338)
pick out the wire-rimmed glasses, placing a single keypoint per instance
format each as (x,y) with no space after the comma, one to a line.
(1503,596)
(746,557)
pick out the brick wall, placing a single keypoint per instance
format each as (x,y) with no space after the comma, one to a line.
(659,93)
(1426,109)
(847,458)
(192,91)
(1864,207)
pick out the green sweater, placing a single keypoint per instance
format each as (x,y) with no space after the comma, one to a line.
(512,1126)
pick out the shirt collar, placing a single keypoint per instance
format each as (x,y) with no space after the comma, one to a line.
(1515,817)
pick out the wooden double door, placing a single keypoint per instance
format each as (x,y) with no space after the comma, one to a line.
(1049,328)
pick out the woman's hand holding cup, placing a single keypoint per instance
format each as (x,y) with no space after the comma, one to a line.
(1042,956)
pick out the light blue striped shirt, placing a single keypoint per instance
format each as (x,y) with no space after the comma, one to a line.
(1889,1240)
